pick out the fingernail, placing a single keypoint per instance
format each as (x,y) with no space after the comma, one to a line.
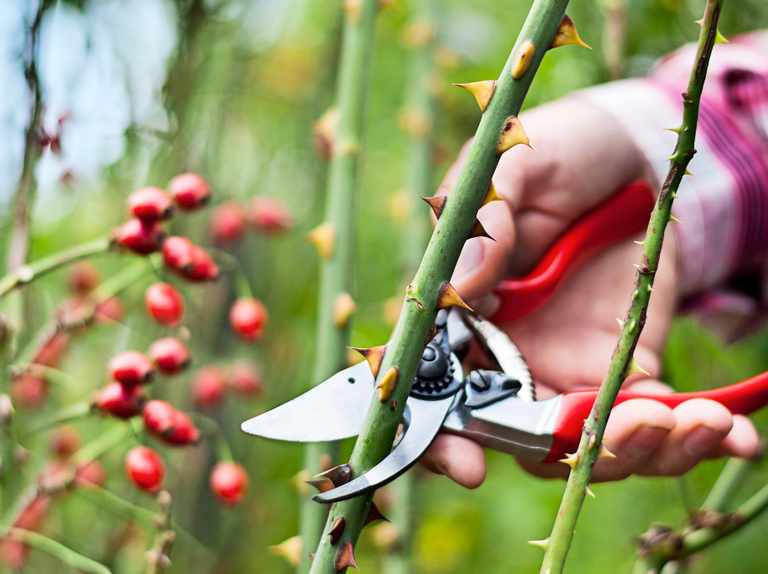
(643,441)
(470,259)
(700,441)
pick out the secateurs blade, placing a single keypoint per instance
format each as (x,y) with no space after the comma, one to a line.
(496,408)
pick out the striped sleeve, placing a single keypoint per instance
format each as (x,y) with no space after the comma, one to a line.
(723,207)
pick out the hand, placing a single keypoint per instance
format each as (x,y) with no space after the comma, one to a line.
(583,156)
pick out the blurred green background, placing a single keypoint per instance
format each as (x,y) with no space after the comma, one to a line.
(236,99)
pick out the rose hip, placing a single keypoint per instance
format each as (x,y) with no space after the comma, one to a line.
(244,378)
(145,468)
(269,216)
(159,417)
(208,387)
(139,237)
(190,191)
(82,278)
(164,303)
(120,401)
(177,252)
(131,368)
(150,204)
(183,431)
(169,355)
(248,317)
(229,482)
(227,223)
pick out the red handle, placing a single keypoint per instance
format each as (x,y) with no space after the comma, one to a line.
(620,217)
(741,399)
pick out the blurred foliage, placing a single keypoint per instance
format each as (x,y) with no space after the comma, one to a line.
(242,95)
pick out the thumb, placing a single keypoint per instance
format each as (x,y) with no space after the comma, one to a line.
(483,261)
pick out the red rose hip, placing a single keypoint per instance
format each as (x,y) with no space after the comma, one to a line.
(169,355)
(150,204)
(145,468)
(227,223)
(178,252)
(245,379)
(190,191)
(208,387)
(164,303)
(229,482)
(248,317)
(119,401)
(131,368)
(183,431)
(159,417)
(269,216)
(139,237)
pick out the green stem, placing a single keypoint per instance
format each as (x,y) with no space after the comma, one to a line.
(420,104)
(25,274)
(336,275)
(594,426)
(58,550)
(420,305)
(730,480)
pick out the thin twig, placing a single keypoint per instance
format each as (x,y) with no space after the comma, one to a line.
(58,550)
(594,427)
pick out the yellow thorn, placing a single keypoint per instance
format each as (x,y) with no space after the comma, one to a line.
(512,134)
(543,543)
(343,308)
(299,481)
(492,195)
(387,384)
(374,356)
(325,132)
(523,59)
(636,369)
(620,322)
(673,218)
(418,34)
(568,35)
(323,237)
(641,243)
(676,130)
(353,9)
(589,492)
(482,91)
(449,297)
(571,459)
(719,38)
(414,122)
(688,173)
(289,549)
(605,453)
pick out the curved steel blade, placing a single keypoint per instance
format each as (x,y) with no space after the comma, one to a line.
(426,418)
(505,352)
(333,410)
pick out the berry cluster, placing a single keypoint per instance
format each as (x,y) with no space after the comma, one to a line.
(264,215)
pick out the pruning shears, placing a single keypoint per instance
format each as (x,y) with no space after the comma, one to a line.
(495,408)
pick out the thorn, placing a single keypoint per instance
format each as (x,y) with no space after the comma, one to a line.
(299,481)
(343,308)
(411,295)
(620,322)
(649,287)
(571,459)
(414,122)
(436,203)
(482,91)
(387,384)
(418,33)
(492,195)
(345,557)
(543,543)
(568,35)
(673,218)
(688,173)
(324,132)
(640,243)
(605,453)
(337,529)
(289,549)
(719,38)
(374,356)
(353,9)
(323,237)
(523,59)
(449,297)
(636,369)
(512,134)
(374,514)
(331,478)
(678,130)
(385,536)
(589,492)
(479,231)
